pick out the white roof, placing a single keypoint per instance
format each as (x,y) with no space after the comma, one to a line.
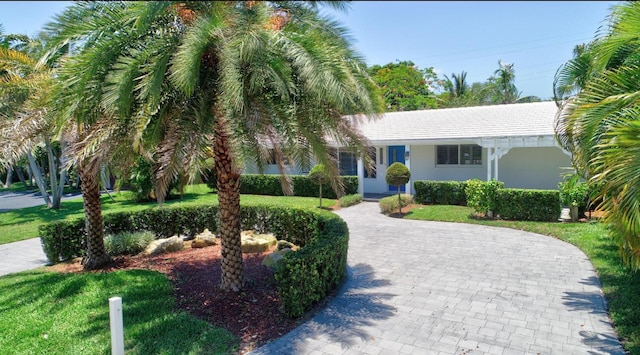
(479,123)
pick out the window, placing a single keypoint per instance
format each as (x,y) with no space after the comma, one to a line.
(372,155)
(347,164)
(465,154)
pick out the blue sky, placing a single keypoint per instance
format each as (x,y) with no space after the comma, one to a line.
(537,36)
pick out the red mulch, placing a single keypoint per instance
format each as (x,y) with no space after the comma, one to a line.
(254,315)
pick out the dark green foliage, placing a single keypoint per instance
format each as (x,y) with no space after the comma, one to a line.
(256,184)
(404,86)
(574,192)
(306,276)
(441,192)
(528,205)
(319,175)
(127,243)
(481,195)
(303,277)
(397,174)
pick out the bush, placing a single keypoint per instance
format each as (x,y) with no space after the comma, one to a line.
(574,192)
(350,200)
(389,204)
(528,205)
(441,192)
(319,176)
(481,195)
(266,184)
(127,243)
(303,277)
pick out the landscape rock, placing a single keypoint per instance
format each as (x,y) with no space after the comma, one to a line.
(204,239)
(283,244)
(271,260)
(161,246)
(256,243)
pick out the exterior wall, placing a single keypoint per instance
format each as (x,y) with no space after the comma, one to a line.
(423,167)
(271,169)
(533,168)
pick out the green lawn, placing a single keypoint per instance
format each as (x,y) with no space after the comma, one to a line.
(23,223)
(51,313)
(620,285)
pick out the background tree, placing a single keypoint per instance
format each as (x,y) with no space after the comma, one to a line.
(398,174)
(505,77)
(404,86)
(599,97)
(319,176)
(223,75)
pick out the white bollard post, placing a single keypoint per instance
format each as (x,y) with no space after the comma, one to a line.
(117,328)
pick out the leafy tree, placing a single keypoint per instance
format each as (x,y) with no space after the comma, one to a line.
(319,176)
(404,86)
(176,78)
(398,174)
(599,97)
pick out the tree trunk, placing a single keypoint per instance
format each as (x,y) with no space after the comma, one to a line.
(399,200)
(228,182)
(96,256)
(320,195)
(39,179)
(21,176)
(9,180)
(57,185)
(30,174)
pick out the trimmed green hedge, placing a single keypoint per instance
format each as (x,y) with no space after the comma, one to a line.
(266,184)
(441,192)
(528,205)
(303,277)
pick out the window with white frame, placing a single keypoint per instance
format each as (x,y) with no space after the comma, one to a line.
(463,154)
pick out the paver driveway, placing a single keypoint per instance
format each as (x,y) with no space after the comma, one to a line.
(419,287)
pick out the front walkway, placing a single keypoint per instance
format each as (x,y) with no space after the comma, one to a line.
(417,287)
(20,256)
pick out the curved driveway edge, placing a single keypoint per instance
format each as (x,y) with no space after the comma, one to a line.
(417,287)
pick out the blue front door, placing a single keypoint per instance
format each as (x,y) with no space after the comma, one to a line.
(396,154)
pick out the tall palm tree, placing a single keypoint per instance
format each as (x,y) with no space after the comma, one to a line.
(236,76)
(599,125)
(24,121)
(505,77)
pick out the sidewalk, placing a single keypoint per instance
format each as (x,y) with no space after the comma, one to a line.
(20,256)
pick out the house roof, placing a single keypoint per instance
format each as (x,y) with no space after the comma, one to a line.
(479,124)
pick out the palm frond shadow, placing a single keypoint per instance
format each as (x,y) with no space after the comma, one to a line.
(356,307)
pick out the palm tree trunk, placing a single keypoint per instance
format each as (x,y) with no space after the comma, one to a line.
(228,182)
(9,180)
(96,256)
(39,179)
(21,176)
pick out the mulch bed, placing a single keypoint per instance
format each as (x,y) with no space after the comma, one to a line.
(254,315)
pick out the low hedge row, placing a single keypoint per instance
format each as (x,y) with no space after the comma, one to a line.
(267,184)
(303,277)
(528,205)
(440,192)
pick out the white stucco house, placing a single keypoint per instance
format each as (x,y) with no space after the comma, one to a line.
(512,143)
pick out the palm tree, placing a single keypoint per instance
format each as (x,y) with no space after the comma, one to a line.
(24,95)
(234,76)
(505,77)
(599,124)
(573,75)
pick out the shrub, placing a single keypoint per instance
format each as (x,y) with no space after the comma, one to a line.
(481,195)
(398,174)
(390,204)
(303,277)
(441,192)
(528,205)
(350,200)
(268,184)
(574,192)
(127,243)
(319,176)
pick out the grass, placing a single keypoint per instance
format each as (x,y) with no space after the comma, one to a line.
(23,223)
(620,285)
(51,313)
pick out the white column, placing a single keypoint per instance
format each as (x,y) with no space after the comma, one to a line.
(489,158)
(407,163)
(360,168)
(496,166)
(116,325)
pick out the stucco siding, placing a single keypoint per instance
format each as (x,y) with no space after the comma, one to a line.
(533,168)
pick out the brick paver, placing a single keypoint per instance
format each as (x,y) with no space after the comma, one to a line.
(417,287)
